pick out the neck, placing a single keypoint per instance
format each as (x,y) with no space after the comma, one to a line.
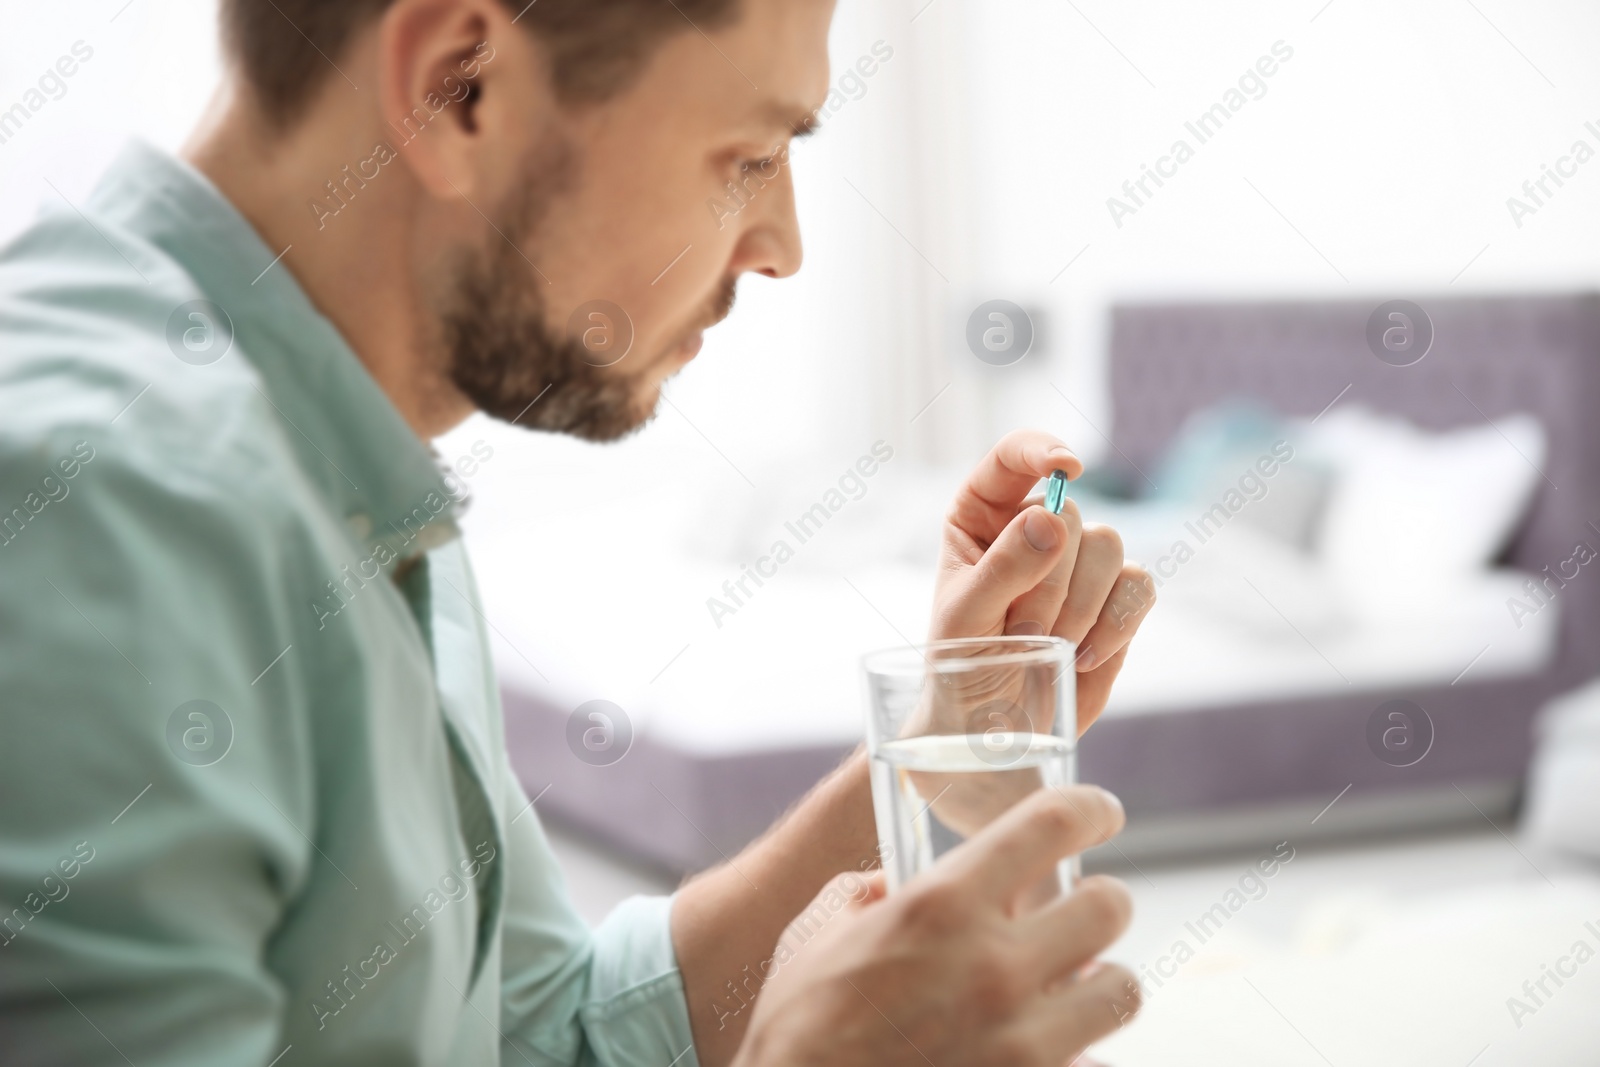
(351,237)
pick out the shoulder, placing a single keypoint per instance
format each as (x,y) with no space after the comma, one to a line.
(116,363)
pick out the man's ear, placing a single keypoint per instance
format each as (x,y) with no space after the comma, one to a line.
(463,90)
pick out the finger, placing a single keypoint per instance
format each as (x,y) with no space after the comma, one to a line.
(1074,929)
(1094,689)
(1075,1016)
(1129,602)
(1019,559)
(1093,578)
(877,887)
(1035,611)
(1027,841)
(857,888)
(992,493)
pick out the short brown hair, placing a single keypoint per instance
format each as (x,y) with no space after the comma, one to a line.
(285,48)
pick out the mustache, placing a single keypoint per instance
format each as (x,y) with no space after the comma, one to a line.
(719,307)
(722,302)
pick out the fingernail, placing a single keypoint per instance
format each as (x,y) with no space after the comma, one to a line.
(1086,659)
(1114,801)
(1039,531)
(1063,451)
(1026,628)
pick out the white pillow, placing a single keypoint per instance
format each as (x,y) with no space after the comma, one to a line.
(1563,810)
(1212,586)
(1411,509)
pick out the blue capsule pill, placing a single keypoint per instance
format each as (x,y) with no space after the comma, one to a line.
(1055,493)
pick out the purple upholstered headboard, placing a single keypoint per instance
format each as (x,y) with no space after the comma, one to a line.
(1491,356)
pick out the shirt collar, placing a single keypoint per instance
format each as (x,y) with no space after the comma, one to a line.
(351,441)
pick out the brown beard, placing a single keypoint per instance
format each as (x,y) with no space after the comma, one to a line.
(501,355)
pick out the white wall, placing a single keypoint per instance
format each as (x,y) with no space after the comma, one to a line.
(1391,141)
(154,64)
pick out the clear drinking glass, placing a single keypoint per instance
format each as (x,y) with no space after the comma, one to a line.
(958,732)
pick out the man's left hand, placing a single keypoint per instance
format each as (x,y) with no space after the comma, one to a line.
(1009,566)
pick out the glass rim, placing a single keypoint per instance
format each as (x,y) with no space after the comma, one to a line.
(1031,649)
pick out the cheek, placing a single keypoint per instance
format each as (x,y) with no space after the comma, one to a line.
(669,286)
(638,228)
(672,307)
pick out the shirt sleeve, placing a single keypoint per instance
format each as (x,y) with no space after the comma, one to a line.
(607,997)
(141,876)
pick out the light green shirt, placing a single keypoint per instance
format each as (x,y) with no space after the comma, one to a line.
(255,805)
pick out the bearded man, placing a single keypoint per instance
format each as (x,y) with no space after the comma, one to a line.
(257,806)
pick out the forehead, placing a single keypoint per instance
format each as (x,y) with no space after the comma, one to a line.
(766,72)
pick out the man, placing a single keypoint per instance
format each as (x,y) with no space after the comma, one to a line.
(256,803)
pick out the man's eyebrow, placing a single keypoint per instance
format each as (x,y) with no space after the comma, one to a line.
(806,125)
(798,120)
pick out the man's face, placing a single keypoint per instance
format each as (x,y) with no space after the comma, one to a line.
(631,225)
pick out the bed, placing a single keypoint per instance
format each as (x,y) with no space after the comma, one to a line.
(1207,744)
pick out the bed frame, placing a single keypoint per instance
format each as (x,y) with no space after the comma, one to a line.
(1200,780)
(1233,772)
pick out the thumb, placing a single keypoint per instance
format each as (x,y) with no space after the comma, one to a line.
(1019,559)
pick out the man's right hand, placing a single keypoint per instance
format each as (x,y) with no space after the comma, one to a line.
(951,970)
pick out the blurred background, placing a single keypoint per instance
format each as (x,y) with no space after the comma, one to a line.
(1353,242)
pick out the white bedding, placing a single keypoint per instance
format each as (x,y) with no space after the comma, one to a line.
(1245,619)
(783,669)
